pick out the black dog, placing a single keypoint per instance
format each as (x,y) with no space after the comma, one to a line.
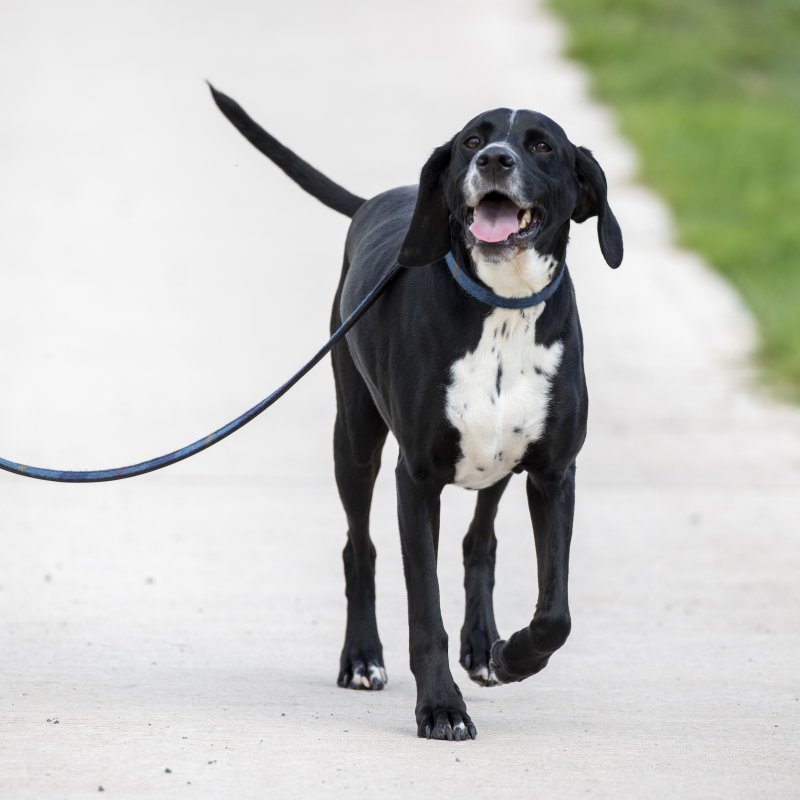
(471,390)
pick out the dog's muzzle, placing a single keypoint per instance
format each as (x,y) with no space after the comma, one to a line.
(498,220)
(496,213)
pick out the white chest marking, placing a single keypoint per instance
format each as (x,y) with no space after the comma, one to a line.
(499,395)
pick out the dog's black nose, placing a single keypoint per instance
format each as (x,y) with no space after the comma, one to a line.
(496,158)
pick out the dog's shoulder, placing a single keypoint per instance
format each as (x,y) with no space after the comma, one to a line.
(383,217)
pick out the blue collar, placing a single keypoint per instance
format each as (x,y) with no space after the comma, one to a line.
(484,295)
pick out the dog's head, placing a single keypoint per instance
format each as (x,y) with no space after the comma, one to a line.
(509,181)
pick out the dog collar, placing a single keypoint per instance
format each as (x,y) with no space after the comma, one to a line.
(489,298)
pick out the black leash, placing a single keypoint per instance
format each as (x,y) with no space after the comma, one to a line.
(99,475)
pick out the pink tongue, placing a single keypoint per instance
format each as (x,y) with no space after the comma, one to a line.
(495,220)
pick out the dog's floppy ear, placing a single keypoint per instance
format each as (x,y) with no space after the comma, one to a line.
(428,237)
(592,201)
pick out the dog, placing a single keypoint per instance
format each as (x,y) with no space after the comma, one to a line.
(472,390)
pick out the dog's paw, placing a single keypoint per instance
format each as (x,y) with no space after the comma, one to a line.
(508,670)
(357,674)
(477,662)
(445,723)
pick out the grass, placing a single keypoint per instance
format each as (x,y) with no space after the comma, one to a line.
(709,92)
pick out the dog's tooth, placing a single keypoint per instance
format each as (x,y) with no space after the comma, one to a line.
(526,219)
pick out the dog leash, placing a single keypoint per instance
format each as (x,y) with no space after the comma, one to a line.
(100,475)
(472,288)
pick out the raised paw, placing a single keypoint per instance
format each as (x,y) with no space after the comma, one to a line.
(357,674)
(509,670)
(446,724)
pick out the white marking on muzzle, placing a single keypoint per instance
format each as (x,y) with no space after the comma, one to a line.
(476,186)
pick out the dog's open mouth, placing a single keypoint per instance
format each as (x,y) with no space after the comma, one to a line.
(499,220)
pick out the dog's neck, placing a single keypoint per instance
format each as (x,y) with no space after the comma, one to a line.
(524,274)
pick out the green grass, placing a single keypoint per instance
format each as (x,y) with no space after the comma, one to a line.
(709,92)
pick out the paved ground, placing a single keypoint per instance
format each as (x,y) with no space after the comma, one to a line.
(179,634)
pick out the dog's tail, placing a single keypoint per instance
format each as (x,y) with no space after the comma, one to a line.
(301,172)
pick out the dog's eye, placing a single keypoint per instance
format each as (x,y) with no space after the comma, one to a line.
(541,147)
(473,143)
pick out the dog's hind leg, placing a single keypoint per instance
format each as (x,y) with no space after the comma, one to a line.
(552,501)
(358,439)
(480,544)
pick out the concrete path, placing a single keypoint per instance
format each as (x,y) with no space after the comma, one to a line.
(178,635)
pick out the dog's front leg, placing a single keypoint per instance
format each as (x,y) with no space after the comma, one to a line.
(440,710)
(552,502)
